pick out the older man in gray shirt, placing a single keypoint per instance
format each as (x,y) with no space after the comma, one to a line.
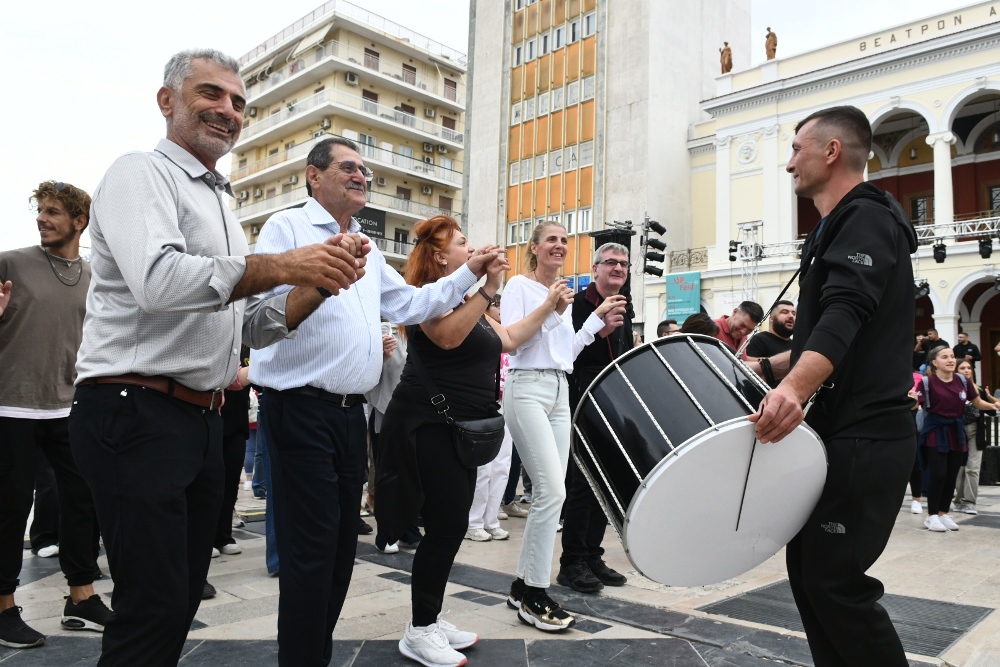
(161,340)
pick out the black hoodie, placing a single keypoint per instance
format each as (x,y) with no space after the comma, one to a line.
(856,309)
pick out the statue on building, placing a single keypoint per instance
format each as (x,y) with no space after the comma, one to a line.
(726,58)
(771,44)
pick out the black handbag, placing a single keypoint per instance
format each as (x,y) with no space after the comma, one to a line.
(477,441)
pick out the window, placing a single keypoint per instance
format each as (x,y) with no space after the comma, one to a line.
(410,74)
(243,163)
(583,220)
(531,51)
(526,170)
(369,101)
(588,88)
(286,188)
(921,210)
(512,233)
(515,113)
(571,158)
(366,146)
(518,54)
(515,173)
(557,99)
(448,163)
(559,37)
(529,108)
(543,104)
(519,5)
(573,93)
(994,194)
(586,153)
(569,221)
(540,164)
(350,134)
(543,46)
(270,193)
(589,24)
(371,59)
(525,231)
(450,90)
(272,151)
(574,31)
(444,203)
(555,162)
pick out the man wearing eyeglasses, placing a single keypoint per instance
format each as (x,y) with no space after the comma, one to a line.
(581,565)
(311,409)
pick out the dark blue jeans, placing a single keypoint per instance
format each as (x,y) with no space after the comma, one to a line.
(270,540)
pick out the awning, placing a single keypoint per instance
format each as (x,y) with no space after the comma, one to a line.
(310,40)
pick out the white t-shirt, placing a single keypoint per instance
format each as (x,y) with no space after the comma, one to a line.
(556,344)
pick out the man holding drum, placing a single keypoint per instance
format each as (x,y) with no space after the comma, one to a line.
(853,329)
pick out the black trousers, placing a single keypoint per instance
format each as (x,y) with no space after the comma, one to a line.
(44,529)
(844,536)
(234,447)
(20,442)
(584,522)
(318,456)
(155,466)
(944,468)
(448,490)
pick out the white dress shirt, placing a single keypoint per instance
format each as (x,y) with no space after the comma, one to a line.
(339,347)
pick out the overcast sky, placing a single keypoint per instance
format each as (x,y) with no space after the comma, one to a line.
(81,77)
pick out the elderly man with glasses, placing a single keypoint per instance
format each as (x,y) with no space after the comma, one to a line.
(311,408)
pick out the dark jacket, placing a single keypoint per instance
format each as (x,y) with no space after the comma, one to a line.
(856,308)
(596,356)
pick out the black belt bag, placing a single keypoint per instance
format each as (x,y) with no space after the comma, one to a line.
(477,441)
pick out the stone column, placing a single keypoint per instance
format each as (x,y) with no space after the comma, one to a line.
(944,198)
(947,326)
(723,212)
(774,228)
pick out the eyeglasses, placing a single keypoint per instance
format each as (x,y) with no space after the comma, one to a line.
(349,167)
(612,263)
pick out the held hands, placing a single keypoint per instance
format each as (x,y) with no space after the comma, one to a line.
(5,290)
(334,265)
(779,414)
(560,296)
(479,261)
(612,310)
(495,271)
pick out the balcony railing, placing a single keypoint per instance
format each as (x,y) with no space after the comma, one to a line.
(395,247)
(345,99)
(381,199)
(363,16)
(271,160)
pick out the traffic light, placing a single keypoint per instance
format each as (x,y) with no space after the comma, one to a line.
(649,255)
(734,248)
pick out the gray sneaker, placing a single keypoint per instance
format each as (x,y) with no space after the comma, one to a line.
(514,509)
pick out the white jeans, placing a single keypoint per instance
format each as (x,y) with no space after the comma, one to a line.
(536,406)
(967,483)
(491,480)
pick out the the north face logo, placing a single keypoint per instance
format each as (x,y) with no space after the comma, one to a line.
(833,528)
(860,258)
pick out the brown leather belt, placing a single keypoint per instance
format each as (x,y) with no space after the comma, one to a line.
(203,399)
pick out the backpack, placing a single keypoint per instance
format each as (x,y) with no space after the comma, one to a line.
(927,388)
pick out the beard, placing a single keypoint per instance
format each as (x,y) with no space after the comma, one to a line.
(782,329)
(59,241)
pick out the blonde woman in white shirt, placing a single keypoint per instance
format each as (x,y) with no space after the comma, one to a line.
(536,408)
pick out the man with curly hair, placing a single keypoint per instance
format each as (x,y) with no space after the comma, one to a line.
(43,292)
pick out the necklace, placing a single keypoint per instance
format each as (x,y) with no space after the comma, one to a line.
(69,281)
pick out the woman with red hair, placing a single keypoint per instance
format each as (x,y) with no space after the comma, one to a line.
(418,469)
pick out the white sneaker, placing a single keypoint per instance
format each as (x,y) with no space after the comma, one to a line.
(429,646)
(970,509)
(498,533)
(49,552)
(247,485)
(238,521)
(948,522)
(231,549)
(933,523)
(916,507)
(390,549)
(478,535)
(502,516)
(215,552)
(457,639)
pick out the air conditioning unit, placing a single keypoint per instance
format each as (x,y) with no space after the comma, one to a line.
(428,159)
(243,195)
(428,147)
(254,230)
(351,78)
(442,148)
(325,124)
(253,112)
(317,135)
(427,190)
(430,113)
(258,192)
(293,179)
(380,181)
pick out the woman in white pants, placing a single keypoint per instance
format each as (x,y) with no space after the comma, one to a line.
(536,409)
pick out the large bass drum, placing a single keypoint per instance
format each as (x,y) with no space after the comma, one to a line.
(663,438)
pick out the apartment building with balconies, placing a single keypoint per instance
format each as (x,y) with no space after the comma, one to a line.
(344,71)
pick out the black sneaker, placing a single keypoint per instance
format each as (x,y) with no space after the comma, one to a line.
(15,633)
(208,592)
(579,577)
(541,611)
(364,528)
(89,614)
(607,576)
(516,593)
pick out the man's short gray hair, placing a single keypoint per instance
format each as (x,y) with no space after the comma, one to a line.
(609,247)
(180,65)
